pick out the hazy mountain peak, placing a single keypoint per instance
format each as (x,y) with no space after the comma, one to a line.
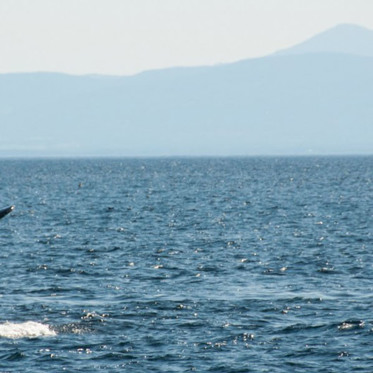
(305,103)
(343,38)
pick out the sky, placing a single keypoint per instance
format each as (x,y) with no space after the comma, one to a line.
(125,37)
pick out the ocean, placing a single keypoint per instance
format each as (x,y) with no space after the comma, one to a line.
(187,265)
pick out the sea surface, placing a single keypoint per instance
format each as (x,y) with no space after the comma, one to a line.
(187,265)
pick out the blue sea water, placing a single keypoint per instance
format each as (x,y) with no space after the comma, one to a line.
(182,265)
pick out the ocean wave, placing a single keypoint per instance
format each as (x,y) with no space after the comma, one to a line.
(29,329)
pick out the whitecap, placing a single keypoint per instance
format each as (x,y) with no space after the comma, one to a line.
(29,329)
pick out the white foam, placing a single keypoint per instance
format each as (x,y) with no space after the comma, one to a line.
(29,329)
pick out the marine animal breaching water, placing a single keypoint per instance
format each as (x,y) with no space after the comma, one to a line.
(6,211)
(28,329)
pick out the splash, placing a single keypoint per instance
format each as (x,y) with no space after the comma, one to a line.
(29,329)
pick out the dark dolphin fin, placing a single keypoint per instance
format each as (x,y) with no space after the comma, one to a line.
(6,211)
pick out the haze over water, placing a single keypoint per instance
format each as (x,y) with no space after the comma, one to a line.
(177,265)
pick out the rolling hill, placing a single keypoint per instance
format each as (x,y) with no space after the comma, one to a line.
(314,98)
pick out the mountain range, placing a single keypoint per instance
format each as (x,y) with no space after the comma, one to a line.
(313,98)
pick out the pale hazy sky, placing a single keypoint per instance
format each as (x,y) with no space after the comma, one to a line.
(128,36)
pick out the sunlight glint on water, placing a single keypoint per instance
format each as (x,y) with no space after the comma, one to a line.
(173,265)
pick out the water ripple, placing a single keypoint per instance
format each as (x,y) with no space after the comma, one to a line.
(176,265)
